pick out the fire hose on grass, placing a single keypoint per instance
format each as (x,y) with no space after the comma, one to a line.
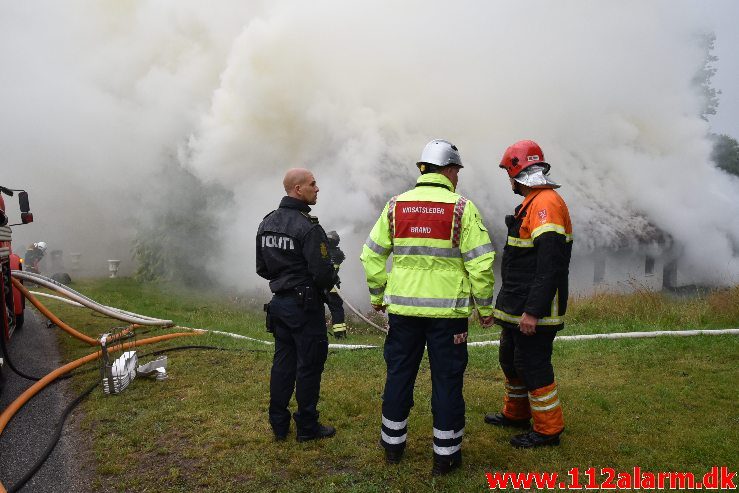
(53,318)
(15,406)
(80,300)
(70,293)
(359,314)
(8,413)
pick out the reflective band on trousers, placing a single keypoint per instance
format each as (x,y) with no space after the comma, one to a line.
(447,450)
(394,425)
(447,434)
(478,252)
(545,408)
(426,250)
(393,440)
(428,302)
(511,389)
(514,319)
(379,250)
(544,398)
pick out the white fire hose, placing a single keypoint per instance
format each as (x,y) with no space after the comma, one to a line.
(383,329)
(70,293)
(78,299)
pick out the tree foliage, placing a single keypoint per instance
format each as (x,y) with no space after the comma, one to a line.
(180,227)
(726,153)
(704,75)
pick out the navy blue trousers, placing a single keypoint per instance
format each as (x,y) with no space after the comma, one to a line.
(301,348)
(446,339)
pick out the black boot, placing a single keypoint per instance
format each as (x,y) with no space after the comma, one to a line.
(534,439)
(500,419)
(444,464)
(321,432)
(280,432)
(393,454)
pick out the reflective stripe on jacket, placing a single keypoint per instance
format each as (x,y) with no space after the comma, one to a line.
(442,255)
(536,261)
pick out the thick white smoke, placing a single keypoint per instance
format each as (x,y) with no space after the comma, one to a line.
(98,94)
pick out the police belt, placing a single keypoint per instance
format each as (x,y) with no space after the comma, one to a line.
(303,295)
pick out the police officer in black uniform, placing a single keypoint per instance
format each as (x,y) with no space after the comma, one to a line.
(292,254)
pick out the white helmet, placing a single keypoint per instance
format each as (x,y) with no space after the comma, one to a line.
(41,245)
(440,153)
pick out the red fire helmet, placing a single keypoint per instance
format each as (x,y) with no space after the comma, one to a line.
(521,155)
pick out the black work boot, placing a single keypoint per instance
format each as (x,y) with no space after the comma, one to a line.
(321,432)
(534,439)
(444,464)
(393,455)
(279,431)
(500,419)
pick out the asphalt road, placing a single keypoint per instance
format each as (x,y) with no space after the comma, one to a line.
(34,351)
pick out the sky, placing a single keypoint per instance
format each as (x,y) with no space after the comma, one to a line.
(723,15)
(99,97)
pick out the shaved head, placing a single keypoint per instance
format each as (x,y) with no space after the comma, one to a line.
(299,183)
(296,176)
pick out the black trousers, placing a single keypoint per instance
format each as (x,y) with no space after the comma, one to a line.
(301,347)
(527,357)
(446,339)
(336,307)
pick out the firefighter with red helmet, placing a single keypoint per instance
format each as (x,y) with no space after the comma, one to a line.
(533,298)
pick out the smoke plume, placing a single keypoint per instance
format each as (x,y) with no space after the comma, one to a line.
(98,95)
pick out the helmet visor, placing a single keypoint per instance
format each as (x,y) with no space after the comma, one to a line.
(536,177)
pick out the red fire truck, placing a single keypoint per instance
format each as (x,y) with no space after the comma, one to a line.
(12,302)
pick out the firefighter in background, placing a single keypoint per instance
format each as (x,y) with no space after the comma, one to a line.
(292,252)
(33,256)
(334,301)
(533,298)
(441,270)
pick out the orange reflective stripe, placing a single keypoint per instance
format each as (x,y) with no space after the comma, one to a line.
(515,407)
(546,410)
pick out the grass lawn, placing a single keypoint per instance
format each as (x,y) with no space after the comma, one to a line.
(663,404)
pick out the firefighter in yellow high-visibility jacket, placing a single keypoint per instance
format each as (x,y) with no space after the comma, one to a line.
(441,270)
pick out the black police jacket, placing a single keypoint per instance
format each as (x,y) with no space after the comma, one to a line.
(292,249)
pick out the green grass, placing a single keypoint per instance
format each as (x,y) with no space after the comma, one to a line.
(663,404)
